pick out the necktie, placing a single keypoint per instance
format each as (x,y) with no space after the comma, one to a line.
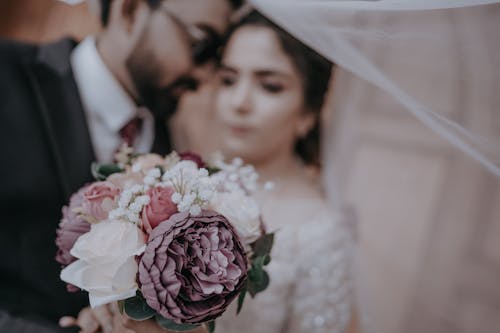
(161,144)
(130,131)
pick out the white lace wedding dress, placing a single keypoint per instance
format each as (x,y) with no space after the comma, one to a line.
(310,288)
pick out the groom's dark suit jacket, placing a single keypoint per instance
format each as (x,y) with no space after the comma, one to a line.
(45,154)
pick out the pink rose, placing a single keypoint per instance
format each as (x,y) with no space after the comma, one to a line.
(159,209)
(99,200)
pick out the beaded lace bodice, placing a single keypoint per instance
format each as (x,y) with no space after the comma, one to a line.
(310,288)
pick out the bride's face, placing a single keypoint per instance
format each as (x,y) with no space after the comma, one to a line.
(260,101)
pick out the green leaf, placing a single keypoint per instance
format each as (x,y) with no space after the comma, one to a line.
(263,245)
(103,171)
(258,285)
(241,298)
(121,306)
(211,326)
(137,308)
(212,170)
(170,325)
(255,274)
(261,261)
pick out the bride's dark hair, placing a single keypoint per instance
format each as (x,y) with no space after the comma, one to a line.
(315,71)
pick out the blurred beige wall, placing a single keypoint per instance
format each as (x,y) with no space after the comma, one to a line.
(44,20)
(429,216)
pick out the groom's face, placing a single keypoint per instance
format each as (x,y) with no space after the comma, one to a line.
(161,64)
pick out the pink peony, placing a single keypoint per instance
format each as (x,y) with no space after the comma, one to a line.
(159,209)
(193,267)
(99,200)
(71,227)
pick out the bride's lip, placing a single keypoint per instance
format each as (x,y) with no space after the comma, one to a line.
(240,130)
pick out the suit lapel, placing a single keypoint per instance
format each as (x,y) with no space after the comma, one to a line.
(62,114)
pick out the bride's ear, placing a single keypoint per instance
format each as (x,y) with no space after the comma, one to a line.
(305,124)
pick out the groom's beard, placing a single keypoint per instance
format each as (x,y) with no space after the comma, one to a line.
(161,101)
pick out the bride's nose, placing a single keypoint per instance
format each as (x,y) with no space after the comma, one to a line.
(241,97)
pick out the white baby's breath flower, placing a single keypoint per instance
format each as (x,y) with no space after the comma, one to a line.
(155,173)
(171,160)
(182,207)
(125,198)
(195,210)
(176,198)
(133,217)
(136,167)
(136,189)
(203,172)
(206,195)
(116,213)
(189,198)
(143,200)
(269,186)
(237,162)
(148,180)
(135,207)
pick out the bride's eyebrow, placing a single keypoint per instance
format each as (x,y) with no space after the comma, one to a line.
(226,68)
(269,72)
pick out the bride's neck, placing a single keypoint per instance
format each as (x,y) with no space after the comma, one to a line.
(290,177)
(282,167)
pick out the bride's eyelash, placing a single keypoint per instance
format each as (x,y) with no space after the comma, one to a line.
(272,87)
(227,81)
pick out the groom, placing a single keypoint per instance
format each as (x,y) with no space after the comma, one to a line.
(64,105)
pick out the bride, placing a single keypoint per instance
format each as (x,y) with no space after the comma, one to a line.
(271,91)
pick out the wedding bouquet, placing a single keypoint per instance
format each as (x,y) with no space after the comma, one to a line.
(169,238)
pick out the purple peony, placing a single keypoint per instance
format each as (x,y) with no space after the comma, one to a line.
(193,267)
(70,228)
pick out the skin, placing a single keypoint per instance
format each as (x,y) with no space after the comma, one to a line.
(260,113)
(260,108)
(144,46)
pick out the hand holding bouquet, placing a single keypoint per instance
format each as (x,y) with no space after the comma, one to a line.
(169,238)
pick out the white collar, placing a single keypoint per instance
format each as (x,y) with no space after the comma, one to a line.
(101,93)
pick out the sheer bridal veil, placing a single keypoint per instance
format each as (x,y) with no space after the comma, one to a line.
(441,66)
(435,60)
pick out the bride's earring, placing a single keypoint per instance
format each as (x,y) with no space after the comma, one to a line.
(305,125)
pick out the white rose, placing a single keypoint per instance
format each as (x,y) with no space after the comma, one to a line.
(106,267)
(242,211)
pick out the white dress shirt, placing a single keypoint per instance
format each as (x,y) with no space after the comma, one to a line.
(106,104)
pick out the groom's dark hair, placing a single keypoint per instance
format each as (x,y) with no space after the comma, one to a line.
(106,7)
